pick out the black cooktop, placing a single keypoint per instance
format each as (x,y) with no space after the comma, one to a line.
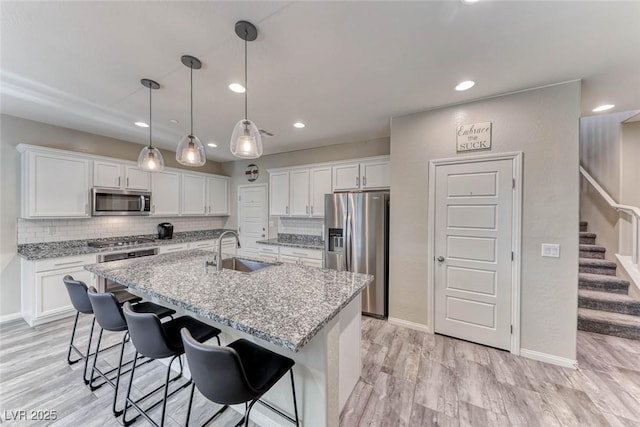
(119,242)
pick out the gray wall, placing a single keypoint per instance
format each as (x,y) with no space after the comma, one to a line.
(15,131)
(630,164)
(541,123)
(376,147)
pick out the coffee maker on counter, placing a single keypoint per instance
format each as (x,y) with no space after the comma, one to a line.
(165,230)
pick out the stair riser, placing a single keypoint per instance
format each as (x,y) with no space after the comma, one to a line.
(598,270)
(587,240)
(583,228)
(622,331)
(605,287)
(591,254)
(632,308)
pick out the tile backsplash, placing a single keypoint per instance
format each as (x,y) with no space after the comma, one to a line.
(53,230)
(308,226)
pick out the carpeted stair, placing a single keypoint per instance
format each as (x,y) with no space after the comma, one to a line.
(604,305)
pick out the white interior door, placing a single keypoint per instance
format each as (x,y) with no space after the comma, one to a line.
(252,218)
(473,251)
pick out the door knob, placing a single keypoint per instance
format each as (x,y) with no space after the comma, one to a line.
(441,259)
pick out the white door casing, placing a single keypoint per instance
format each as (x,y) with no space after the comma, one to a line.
(252,218)
(474,218)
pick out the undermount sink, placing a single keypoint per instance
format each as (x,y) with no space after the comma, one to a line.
(244,265)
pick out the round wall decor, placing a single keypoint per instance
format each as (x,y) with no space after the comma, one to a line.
(251,172)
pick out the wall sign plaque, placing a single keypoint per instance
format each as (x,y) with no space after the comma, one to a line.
(251,172)
(473,137)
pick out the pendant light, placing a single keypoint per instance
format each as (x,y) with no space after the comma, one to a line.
(246,141)
(150,158)
(190,150)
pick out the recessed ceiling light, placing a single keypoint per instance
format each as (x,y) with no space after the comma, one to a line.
(174,121)
(601,108)
(299,125)
(237,88)
(467,84)
(141,124)
(469,1)
(212,144)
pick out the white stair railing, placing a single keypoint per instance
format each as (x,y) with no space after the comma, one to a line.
(632,211)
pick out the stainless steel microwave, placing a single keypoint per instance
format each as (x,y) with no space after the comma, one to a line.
(106,201)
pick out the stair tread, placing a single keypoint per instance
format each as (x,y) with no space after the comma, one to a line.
(597,263)
(606,296)
(591,277)
(592,248)
(609,317)
(584,223)
(587,234)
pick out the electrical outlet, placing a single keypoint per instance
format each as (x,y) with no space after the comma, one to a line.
(551,250)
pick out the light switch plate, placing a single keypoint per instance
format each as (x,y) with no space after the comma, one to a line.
(551,250)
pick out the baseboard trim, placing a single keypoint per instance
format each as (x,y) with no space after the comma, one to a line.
(9,317)
(549,358)
(407,324)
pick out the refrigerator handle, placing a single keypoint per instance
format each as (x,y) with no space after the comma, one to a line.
(347,240)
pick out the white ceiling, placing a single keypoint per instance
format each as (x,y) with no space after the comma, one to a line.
(343,68)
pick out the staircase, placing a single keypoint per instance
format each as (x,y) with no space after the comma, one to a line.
(604,305)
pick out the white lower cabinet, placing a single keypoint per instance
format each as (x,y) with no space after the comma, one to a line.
(268,253)
(289,255)
(203,244)
(44,296)
(166,249)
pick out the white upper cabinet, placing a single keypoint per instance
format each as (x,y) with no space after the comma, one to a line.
(319,185)
(299,192)
(367,175)
(279,193)
(217,196)
(165,193)
(374,175)
(346,177)
(55,186)
(119,175)
(193,195)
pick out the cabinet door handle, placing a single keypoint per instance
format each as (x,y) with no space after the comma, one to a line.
(127,181)
(119,181)
(364,181)
(300,254)
(357,181)
(311,210)
(69,263)
(287,210)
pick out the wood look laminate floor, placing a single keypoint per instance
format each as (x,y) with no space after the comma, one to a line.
(408,378)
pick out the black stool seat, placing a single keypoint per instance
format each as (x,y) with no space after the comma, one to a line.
(124,296)
(150,307)
(241,372)
(263,368)
(200,331)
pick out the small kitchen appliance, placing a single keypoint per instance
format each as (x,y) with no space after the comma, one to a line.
(165,230)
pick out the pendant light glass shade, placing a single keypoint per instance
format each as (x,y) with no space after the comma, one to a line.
(190,151)
(150,158)
(246,141)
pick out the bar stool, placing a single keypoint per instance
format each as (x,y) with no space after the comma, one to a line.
(77,291)
(108,313)
(157,340)
(241,372)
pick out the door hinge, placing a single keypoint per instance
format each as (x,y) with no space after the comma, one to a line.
(512,256)
(513,183)
(511,329)
(239,197)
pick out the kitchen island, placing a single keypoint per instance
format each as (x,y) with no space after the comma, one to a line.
(311,315)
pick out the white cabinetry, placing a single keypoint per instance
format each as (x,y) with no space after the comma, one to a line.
(165,193)
(43,294)
(203,244)
(119,175)
(361,176)
(217,196)
(299,192)
(165,249)
(55,185)
(310,257)
(279,193)
(268,253)
(193,195)
(319,185)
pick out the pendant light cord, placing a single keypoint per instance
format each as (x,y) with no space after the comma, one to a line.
(191,68)
(246,88)
(150,127)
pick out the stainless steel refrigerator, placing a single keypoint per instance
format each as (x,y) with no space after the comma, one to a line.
(356,231)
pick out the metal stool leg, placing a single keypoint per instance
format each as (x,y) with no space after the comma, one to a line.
(295,404)
(115,392)
(88,354)
(73,334)
(95,359)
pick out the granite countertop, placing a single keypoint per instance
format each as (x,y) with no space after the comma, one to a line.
(302,241)
(36,251)
(286,304)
